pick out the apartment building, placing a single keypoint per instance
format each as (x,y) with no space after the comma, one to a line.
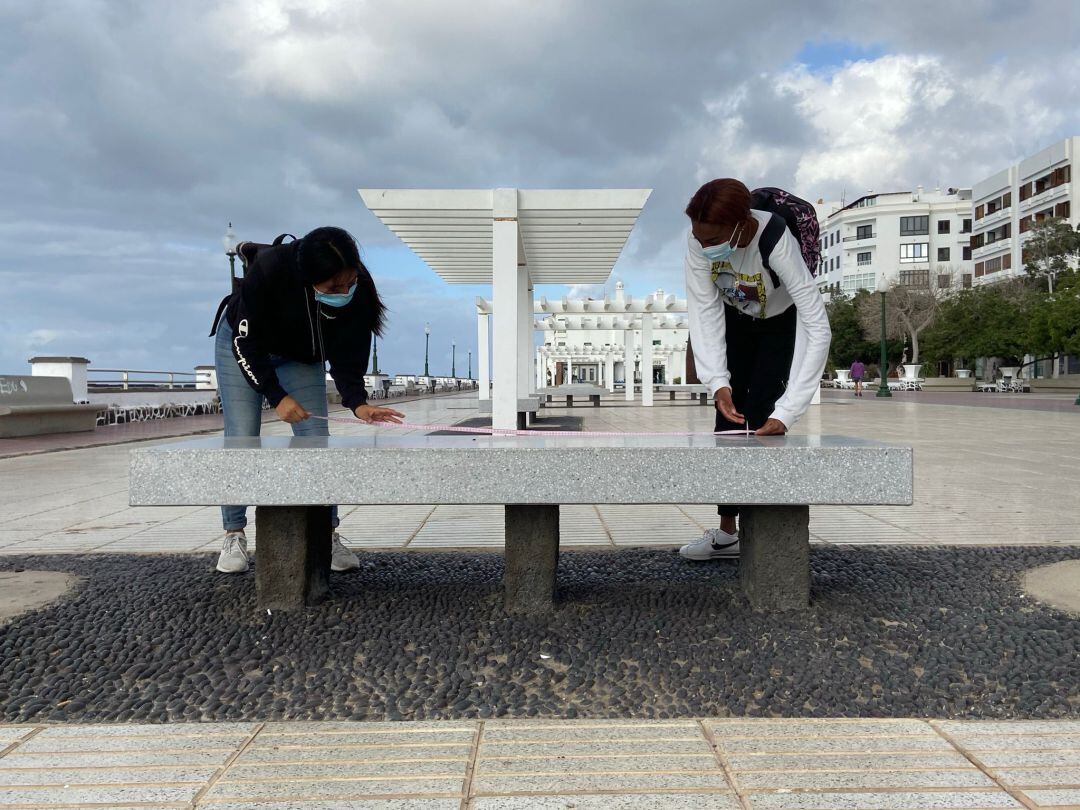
(913,237)
(1007,205)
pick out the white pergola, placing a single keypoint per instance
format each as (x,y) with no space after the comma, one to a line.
(619,314)
(512,239)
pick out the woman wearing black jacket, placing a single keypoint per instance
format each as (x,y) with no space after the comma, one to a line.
(301,305)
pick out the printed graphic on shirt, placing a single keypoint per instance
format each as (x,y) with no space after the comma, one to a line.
(745,292)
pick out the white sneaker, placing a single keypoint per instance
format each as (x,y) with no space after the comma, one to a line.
(341,559)
(233,558)
(714,544)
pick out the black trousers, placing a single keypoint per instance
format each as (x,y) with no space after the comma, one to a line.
(759,352)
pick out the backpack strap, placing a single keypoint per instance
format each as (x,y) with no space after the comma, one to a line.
(770,237)
(281,239)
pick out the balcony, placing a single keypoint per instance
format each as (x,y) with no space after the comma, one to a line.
(860,238)
(1050,195)
(864,262)
(993,248)
(996,218)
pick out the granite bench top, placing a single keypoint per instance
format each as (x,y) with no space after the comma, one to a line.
(386,468)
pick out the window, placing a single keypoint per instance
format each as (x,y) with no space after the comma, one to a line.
(998,233)
(915,278)
(1025,192)
(1006,261)
(980,269)
(978,240)
(967,226)
(914,226)
(943,226)
(944,281)
(942,254)
(980,210)
(967,254)
(965,281)
(863,258)
(1062,210)
(992,265)
(915,252)
(864,232)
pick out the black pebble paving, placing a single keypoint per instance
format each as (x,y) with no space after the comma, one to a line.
(637,633)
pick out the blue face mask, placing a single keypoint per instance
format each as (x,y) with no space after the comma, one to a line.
(336,299)
(723,251)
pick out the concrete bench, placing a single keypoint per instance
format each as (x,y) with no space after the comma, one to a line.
(525,405)
(36,406)
(701,392)
(593,392)
(288,478)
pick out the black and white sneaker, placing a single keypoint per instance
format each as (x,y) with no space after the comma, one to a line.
(715,544)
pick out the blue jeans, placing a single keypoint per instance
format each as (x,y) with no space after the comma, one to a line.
(242,405)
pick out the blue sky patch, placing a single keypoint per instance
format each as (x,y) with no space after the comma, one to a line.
(826,55)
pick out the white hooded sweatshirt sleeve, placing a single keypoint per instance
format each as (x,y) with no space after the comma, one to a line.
(705,312)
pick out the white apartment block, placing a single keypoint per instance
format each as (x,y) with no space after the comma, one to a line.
(1007,204)
(913,237)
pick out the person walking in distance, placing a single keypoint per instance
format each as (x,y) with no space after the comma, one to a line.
(858,371)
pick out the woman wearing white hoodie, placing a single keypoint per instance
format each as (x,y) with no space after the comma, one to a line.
(759,346)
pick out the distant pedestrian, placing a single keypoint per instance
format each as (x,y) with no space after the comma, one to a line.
(858,371)
(758,326)
(301,305)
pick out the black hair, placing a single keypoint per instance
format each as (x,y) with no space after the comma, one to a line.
(324,253)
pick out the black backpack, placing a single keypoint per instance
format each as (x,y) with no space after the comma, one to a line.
(798,216)
(247,251)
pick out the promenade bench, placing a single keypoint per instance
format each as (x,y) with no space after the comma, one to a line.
(572,390)
(700,392)
(525,405)
(289,480)
(36,406)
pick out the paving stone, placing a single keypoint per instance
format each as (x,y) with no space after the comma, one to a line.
(335,754)
(649,763)
(1004,759)
(971,777)
(828,745)
(1023,742)
(108,796)
(1054,798)
(115,759)
(1069,777)
(993,728)
(11,734)
(586,782)
(334,789)
(331,727)
(21,777)
(818,762)
(881,801)
(611,801)
(150,731)
(420,739)
(40,744)
(347,770)
(820,728)
(595,748)
(607,734)
(350,804)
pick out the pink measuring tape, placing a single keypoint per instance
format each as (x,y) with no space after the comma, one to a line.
(541,433)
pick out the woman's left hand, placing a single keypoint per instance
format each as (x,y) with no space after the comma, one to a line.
(371,414)
(772,427)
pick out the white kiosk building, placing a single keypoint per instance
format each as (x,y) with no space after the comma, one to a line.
(512,239)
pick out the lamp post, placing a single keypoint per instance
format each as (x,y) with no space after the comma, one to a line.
(427,341)
(470,364)
(375,354)
(453,359)
(883,386)
(230,242)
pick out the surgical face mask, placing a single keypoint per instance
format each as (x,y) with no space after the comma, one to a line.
(723,251)
(336,299)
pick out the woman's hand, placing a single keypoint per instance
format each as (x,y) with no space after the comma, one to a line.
(772,427)
(370,414)
(289,410)
(727,407)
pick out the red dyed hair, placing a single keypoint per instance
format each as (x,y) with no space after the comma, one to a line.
(724,201)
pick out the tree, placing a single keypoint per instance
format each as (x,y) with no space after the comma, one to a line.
(1050,249)
(992,320)
(909,309)
(1054,322)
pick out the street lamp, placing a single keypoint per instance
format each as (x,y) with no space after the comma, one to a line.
(427,341)
(453,359)
(883,386)
(230,242)
(470,364)
(375,353)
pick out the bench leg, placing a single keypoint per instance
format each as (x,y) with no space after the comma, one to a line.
(569,401)
(530,558)
(595,400)
(774,558)
(671,395)
(292,567)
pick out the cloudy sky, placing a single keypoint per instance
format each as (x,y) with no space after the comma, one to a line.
(132,132)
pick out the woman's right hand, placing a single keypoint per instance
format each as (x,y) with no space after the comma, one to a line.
(727,407)
(289,410)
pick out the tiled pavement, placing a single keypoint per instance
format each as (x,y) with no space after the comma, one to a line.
(982,476)
(707,763)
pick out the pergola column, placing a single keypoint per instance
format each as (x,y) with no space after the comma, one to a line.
(609,371)
(646,360)
(628,362)
(506,293)
(482,359)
